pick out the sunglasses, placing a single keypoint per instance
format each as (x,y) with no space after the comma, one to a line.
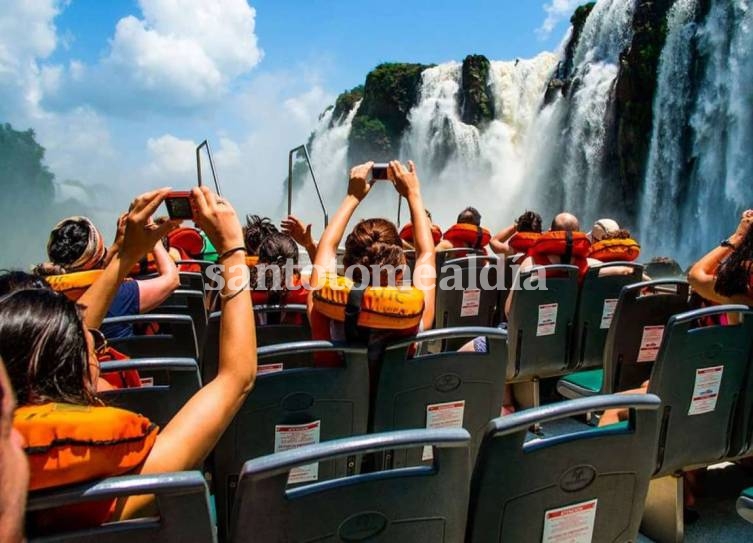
(100,341)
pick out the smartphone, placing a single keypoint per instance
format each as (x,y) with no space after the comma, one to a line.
(178,205)
(379,172)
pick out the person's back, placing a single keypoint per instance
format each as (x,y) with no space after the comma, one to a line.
(373,257)
(52,362)
(76,245)
(466,233)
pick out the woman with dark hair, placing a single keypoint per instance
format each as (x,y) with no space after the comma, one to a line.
(529,223)
(374,245)
(725,275)
(51,354)
(278,254)
(76,245)
(257,228)
(11,281)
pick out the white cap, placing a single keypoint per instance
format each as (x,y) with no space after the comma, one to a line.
(602,227)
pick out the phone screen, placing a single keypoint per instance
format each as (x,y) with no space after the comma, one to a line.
(179,207)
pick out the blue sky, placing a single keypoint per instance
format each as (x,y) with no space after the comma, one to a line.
(119,91)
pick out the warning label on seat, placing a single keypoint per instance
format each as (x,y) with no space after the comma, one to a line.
(471,302)
(650,343)
(706,390)
(608,312)
(571,524)
(547,323)
(269,368)
(292,436)
(443,415)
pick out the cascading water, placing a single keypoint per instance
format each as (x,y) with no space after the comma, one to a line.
(693,198)
(665,171)
(561,155)
(569,172)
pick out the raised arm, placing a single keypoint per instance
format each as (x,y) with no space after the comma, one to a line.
(702,276)
(425,272)
(499,242)
(326,253)
(301,234)
(194,431)
(139,236)
(152,292)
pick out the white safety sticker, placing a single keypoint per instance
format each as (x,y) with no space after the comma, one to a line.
(608,312)
(443,415)
(706,390)
(547,320)
(292,436)
(571,524)
(269,368)
(471,301)
(650,342)
(147,382)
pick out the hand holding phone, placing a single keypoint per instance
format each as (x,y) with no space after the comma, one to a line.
(178,205)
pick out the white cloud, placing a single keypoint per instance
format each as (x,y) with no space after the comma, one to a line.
(180,55)
(556,12)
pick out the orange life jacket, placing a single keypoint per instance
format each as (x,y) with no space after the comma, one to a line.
(73,443)
(468,235)
(614,250)
(187,239)
(521,242)
(570,247)
(406,233)
(73,285)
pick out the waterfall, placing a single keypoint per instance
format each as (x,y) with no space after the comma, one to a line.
(329,151)
(561,156)
(569,174)
(666,169)
(695,191)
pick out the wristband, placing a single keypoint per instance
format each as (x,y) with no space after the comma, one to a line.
(230,252)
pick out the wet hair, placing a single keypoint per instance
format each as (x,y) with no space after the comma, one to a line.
(373,242)
(661,267)
(257,228)
(733,274)
(11,281)
(276,249)
(43,344)
(470,215)
(68,243)
(530,221)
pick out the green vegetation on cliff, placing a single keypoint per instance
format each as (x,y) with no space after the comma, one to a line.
(561,80)
(345,104)
(476,98)
(634,95)
(390,92)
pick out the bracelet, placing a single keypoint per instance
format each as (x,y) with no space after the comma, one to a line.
(228,297)
(230,252)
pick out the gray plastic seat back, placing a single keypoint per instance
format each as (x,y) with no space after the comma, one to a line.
(187,302)
(275,325)
(461,388)
(175,338)
(167,384)
(633,339)
(467,294)
(182,500)
(423,504)
(594,479)
(700,375)
(330,403)
(597,301)
(540,323)
(192,281)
